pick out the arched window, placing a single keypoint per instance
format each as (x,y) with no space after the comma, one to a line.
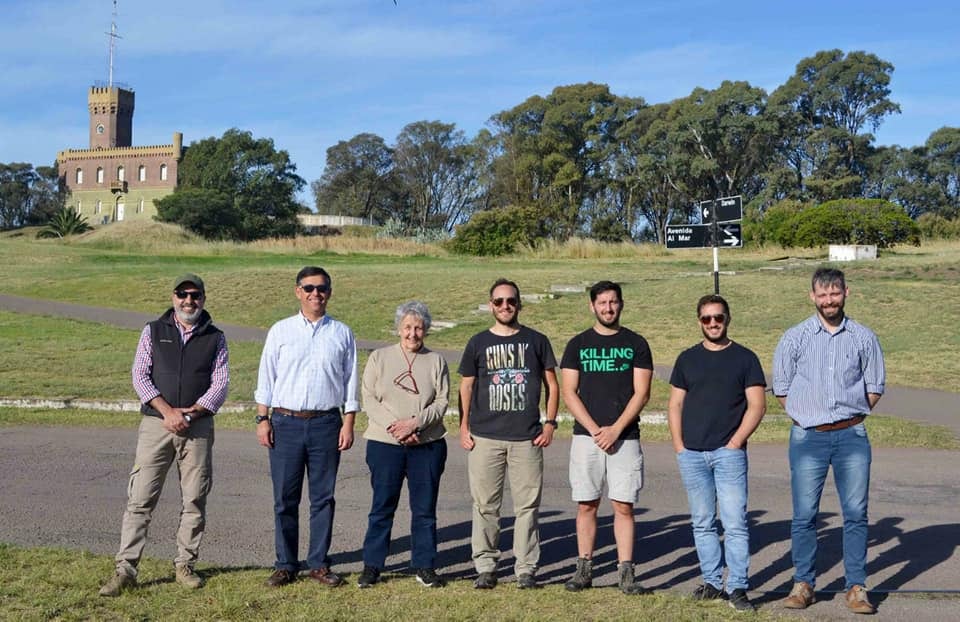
(79,176)
(163,172)
(79,206)
(99,175)
(142,173)
(98,207)
(119,173)
(140,207)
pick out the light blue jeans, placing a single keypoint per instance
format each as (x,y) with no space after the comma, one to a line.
(811,455)
(718,479)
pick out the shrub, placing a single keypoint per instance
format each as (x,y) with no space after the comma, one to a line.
(841,221)
(934,226)
(498,231)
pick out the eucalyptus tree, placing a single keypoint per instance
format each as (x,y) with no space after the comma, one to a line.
(943,155)
(358,179)
(825,113)
(438,170)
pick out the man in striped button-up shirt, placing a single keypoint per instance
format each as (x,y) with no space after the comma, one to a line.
(828,373)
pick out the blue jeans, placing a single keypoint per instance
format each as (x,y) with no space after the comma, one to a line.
(304,445)
(718,479)
(811,454)
(422,466)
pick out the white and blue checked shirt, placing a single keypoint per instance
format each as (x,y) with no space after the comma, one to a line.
(826,377)
(308,366)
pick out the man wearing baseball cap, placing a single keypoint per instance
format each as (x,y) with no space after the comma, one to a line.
(181,374)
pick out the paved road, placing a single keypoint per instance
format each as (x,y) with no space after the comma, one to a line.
(924,405)
(75,500)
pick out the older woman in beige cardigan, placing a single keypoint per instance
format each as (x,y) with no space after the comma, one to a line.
(405,395)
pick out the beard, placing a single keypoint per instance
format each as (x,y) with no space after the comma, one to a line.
(718,339)
(831,313)
(188,318)
(608,323)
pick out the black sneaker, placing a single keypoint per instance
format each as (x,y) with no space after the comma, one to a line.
(485,581)
(368,577)
(739,601)
(527,582)
(707,592)
(428,578)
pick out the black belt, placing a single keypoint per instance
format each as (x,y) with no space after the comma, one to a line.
(836,425)
(305,414)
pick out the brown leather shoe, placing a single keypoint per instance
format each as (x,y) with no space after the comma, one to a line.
(326,577)
(801,596)
(857,600)
(280,578)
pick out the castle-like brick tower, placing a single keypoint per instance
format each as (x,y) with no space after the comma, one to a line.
(112,180)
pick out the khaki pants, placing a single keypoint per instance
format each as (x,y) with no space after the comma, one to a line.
(488,463)
(157,450)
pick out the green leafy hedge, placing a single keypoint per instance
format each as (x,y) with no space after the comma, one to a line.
(842,221)
(498,231)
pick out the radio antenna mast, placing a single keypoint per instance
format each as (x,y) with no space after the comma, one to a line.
(113,41)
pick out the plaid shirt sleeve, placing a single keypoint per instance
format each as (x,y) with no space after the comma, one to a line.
(216,395)
(143,366)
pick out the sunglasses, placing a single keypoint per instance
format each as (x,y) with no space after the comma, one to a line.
(718,318)
(499,302)
(193,294)
(321,289)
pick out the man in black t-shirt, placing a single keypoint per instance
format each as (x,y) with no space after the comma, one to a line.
(716,402)
(502,371)
(606,372)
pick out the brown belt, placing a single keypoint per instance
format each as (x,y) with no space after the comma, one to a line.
(837,425)
(305,414)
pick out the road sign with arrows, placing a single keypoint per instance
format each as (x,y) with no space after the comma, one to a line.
(722,210)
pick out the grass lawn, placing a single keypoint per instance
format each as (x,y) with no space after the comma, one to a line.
(54,584)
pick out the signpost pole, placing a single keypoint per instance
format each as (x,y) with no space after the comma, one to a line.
(715,227)
(716,270)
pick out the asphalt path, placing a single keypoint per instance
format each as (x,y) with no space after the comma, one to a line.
(923,405)
(66,487)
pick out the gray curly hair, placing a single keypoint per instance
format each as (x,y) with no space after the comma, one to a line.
(415,308)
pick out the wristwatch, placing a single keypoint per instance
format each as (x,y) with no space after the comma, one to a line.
(552,422)
(262,418)
(188,418)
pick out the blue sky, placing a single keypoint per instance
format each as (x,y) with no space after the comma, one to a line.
(309,73)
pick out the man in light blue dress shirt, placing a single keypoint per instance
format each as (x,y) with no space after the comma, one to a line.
(308,373)
(828,373)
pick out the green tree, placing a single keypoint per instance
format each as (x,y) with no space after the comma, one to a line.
(259,180)
(943,154)
(28,196)
(358,179)
(209,213)
(438,170)
(63,223)
(822,112)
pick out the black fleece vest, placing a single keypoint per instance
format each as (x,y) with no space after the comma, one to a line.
(181,371)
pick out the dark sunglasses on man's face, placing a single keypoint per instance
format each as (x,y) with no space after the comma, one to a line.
(498,302)
(321,289)
(718,318)
(194,294)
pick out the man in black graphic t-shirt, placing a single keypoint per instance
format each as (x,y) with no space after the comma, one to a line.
(503,369)
(606,372)
(716,402)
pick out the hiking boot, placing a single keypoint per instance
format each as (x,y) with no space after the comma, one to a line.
(857,600)
(368,577)
(527,581)
(801,596)
(188,578)
(117,583)
(325,576)
(707,592)
(583,577)
(739,601)
(280,578)
(626,583)
(428,578)
(485,581)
